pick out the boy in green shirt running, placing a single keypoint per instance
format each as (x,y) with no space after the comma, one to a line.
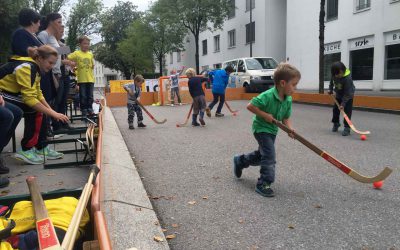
(275,103)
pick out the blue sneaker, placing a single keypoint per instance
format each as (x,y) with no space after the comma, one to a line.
(29,156)
(50,154)
(237,169)
(265,189)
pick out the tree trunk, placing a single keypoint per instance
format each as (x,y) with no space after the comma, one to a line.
(160,60)
(321,46)
(196,39)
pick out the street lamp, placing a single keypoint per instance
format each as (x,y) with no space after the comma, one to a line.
(251,28)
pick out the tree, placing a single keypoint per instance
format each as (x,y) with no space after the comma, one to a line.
(114,22)
(84,20)
(197,15)
(45,7)
(166,31)
(136,48)
(321,45)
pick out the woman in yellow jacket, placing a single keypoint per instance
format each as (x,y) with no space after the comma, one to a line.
(20,85)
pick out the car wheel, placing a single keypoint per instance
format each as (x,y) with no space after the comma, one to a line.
(247,88)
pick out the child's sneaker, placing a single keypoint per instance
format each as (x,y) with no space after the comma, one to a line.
(4,182)
(141,125)
(49,153)
(131,126)
(172,105)
(265,190)
(219,115)
(237,169)
(202,122)
(180,104)
(195,124)
(208,112)
(29,156)
(346,131)
(335,127)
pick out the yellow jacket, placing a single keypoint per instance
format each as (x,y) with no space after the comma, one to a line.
(21,77)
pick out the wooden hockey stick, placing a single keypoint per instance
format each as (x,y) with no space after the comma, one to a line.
(70,235)
(187,118)
(353,174)
(348,119)
(47,236)
(150,115)
(230,110)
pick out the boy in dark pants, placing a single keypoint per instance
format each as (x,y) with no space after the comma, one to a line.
(275,103)
(344,89)
(197,93)
(134,92)
(220,78)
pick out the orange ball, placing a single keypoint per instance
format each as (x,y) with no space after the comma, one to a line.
(378,184)
(363,137)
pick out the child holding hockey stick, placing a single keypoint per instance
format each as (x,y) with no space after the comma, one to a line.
(196,91)
(344,89)
(275,103)
(134,91)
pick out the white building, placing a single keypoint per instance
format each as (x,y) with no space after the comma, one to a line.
(103,74)
(363,34)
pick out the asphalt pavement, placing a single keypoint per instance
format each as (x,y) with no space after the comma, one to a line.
(187,173)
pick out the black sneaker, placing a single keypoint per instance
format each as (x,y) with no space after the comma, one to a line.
(265,190)
(346,131)
(335,127)
(66,126)
(4,182)
(131,126)
(201,120)
(3,168)
(237,169)
(219,115)
(195,124)
(141,125)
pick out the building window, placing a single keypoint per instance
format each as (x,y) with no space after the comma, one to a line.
(205,67)
(250,34)
(363,4)
(232,9)
(232,38)
(253,4)
(171,58)
(178,56)
(392,62)
(217,65)
(204,42)
(362,64)
(329,59)
(331,10)
(216,43)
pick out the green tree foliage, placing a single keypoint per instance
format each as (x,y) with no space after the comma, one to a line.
(136,48)
(199,15)
(84,20)
(45,7)
(114,22)
(166,31)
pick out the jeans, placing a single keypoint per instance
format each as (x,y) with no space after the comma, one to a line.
(348,108)
(86,96)
(175,91)
(264,156)
(61,100)
(221,98)
(10,115)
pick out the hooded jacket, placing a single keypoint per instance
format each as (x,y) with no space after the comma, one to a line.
(344,87)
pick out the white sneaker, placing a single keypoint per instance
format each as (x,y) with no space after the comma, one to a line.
(180,104)
(172,105)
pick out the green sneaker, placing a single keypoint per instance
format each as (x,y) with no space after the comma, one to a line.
(265,190)
(29,156)
(50,154)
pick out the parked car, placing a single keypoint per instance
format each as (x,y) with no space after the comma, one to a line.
(253,73)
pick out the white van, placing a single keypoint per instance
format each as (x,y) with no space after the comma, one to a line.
(253,73)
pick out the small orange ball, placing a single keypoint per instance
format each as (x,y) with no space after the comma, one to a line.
(363,137)
(378,184)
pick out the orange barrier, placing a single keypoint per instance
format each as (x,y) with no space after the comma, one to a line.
(101,231)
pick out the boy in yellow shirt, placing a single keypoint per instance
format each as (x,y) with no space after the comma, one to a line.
(85,78)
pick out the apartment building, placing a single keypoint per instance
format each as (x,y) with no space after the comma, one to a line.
(103,74)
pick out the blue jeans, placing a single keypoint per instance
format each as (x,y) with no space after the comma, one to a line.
(221,98)
(264,156)
(61,100)
(10,115)
(86,96)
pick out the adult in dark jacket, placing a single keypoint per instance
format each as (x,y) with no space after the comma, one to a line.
(344,89)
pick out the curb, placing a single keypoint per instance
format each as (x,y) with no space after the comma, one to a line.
(130,217)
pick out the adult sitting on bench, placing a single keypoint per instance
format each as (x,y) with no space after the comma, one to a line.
(20,85)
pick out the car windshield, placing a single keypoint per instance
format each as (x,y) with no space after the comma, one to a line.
(260,63)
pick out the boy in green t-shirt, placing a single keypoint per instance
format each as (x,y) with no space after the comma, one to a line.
(273,104)
(84,73)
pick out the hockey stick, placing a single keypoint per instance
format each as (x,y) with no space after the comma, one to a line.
(353,174)
(70,235)
(230,110)
(348,119)
(47,236)
(150,115)
(187,118)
